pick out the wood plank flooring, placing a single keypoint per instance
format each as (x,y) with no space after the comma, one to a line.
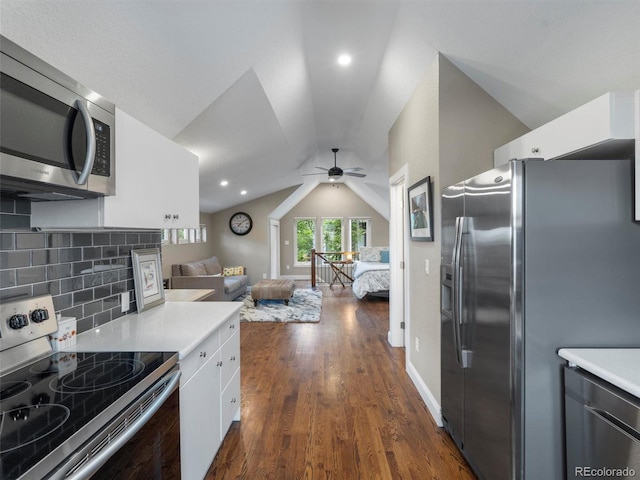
(332,400)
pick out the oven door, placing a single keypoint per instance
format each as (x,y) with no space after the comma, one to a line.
(52,136)
(143,442)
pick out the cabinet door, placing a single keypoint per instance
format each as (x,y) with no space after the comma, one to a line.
(230,358)
(200,419)
(602,128)
(230,405)
(155,178)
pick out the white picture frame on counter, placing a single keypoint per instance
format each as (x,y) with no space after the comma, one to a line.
(147,277)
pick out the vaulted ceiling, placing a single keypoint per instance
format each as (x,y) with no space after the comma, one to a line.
(254,89)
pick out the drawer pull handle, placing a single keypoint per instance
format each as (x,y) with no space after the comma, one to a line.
(219,364)
(203,354)
(233,358)
(614,421)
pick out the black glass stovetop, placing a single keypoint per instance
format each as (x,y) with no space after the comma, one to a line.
(44,404)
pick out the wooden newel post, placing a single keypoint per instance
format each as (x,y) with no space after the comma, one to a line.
(313,268)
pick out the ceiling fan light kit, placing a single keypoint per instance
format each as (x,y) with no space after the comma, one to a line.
(336,172)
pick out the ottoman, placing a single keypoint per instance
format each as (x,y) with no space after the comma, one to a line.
(272,290)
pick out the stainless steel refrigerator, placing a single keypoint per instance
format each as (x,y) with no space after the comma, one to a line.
(535,256)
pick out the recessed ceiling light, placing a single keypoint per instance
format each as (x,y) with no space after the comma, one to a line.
(243,192)
(344,59)
(224,183)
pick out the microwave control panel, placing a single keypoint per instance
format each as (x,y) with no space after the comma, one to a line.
(102,164)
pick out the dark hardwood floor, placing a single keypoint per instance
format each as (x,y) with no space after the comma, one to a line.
(332,400)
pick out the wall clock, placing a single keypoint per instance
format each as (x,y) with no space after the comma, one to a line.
(240,223)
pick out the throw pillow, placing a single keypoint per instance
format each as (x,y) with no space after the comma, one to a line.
(369,254)
(231,271)
(384,256)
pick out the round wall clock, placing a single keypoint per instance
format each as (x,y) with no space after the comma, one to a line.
(240,223)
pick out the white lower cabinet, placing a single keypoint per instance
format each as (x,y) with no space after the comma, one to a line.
(209,397)
(199,399)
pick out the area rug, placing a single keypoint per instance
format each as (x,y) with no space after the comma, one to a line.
(304,306)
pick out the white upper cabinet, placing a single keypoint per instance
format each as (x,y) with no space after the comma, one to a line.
(602,128)
(156,187)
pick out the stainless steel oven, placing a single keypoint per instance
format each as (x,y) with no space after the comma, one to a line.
(56,136)
(68,415)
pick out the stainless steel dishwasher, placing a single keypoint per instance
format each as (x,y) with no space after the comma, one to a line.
(602,428)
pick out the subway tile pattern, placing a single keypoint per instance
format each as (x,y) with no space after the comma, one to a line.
(15,213)
(85,272)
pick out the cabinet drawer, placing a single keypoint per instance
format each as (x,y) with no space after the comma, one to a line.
(230,405)
(199,356)
(230,357)
(230,327)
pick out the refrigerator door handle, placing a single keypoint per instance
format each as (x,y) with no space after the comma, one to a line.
(461,355)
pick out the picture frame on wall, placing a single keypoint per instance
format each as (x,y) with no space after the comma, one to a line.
(421,211)
(147,277)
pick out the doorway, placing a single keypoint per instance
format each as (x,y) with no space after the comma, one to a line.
(398,305)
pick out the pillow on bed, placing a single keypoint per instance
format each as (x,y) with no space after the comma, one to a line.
(369,254)
(384,256)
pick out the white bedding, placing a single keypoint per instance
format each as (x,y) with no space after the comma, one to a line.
(370,277)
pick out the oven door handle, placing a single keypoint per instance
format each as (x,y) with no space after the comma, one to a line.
(95,462)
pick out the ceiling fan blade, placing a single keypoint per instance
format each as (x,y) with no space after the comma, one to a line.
(353,169)
(319,173)
(322,168)
(353,174)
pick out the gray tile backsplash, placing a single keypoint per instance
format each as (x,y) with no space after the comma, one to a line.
(85,272)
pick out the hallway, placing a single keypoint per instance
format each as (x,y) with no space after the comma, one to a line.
(332,400)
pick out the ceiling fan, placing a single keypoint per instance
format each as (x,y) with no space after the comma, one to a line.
(336,172)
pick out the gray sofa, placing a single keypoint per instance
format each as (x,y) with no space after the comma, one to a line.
(208,273)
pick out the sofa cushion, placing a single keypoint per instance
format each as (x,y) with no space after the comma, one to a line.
(233,283)
(193,269)
(212,266)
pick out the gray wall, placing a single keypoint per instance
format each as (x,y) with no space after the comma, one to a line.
(251,250)
(327,200)
(448,130)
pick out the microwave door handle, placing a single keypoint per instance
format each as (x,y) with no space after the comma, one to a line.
(91,143)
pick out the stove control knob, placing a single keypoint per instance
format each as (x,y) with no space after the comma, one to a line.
(16,322)
(39,315)
(20,414)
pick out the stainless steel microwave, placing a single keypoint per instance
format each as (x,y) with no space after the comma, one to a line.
(56,136)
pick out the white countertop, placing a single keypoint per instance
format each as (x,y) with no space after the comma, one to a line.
(618,366)
(170,327)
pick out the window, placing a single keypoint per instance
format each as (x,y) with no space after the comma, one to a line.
(184,235)
(360,233)
(305,240)
(332,237)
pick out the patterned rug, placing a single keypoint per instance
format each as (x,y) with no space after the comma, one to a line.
(304,306)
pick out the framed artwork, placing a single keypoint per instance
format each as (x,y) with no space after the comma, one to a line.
(421,211)
(147,277)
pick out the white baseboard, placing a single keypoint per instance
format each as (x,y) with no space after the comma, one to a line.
(425,393)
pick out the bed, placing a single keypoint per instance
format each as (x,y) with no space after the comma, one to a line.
(371,272)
